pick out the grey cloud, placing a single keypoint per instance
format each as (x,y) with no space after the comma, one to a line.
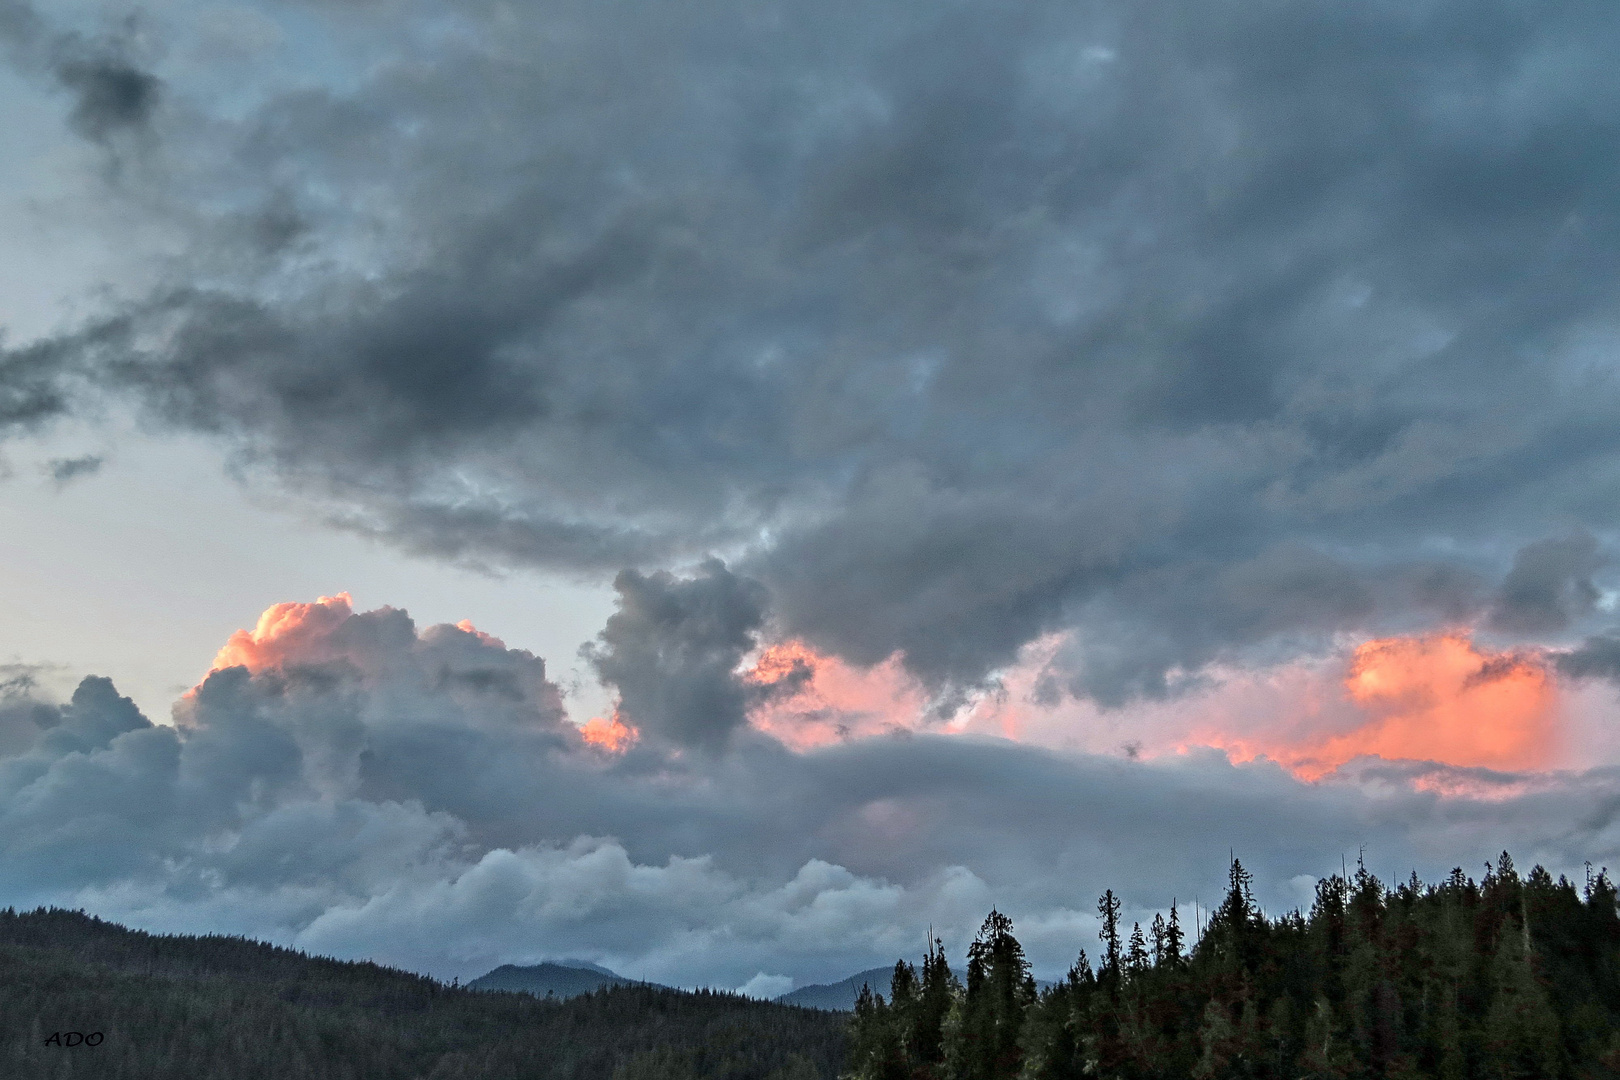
(673,648)
(1597,657)
(21,714)
(113,96)
(1189,328)
(112,92)
(66,470)
(1549,587)
(32,386)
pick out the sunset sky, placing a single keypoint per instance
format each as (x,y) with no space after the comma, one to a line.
(715,489)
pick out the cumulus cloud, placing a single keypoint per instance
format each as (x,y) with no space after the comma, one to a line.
(1203,332)
(353,784)
(673,648)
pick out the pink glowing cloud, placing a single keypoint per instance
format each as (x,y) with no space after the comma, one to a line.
(609,734)
(825,700)
(1439,698)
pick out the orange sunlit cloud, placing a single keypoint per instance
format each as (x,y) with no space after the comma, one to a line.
(612,736)
(1438,698)
(299,633)
(1444,699)
(284,631)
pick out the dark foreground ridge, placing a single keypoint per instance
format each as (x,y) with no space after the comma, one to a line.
(1507,978)
(222,1008)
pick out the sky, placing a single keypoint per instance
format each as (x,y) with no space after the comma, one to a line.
(718,489)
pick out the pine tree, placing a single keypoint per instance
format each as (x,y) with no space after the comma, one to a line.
(984,1044)
(1108,906)
(1173,937)
(1136,956)
(875,1051)
(924,1034)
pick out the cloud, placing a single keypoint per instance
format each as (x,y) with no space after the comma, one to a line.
(33,385)
(1549,587)
(21,715)
(1596,657)
(1165,329)
(65,470)
(1441,699)
(361,786)
(820,699)
(766,986)
(609,734)
(673,648)
(113,95)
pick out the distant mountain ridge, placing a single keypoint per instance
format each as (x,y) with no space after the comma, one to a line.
(562,981)
(840,996)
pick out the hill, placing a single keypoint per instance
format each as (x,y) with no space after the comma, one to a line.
(220,1008)
(558,980)
(839,996)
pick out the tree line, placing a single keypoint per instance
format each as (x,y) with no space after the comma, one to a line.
(1504,978)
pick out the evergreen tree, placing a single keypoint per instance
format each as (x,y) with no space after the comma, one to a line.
(1173,937)
(1136,956)
(876,1051)
(925,1035)
(1108,910)
(984,1044)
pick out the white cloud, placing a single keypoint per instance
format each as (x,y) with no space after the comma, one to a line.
(766,986)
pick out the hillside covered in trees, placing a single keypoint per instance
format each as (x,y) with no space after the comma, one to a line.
(1507,977)
(220,1008)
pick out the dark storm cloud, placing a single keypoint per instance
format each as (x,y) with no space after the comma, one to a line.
(1205,331)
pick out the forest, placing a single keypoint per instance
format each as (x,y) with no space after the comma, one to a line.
(224,1008)
(1506,977)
